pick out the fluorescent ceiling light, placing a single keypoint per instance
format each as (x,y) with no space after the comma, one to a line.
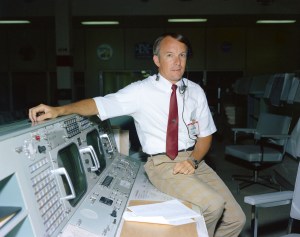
(14,22)
(175,20)
(275,21)
(100,23)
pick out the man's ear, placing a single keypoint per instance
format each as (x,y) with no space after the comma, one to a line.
(156,60)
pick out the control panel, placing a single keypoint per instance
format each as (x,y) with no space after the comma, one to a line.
(101,211)
(63,172)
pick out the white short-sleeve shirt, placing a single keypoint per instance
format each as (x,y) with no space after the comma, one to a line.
(147,101)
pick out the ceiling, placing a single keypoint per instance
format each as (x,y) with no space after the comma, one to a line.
(153,13)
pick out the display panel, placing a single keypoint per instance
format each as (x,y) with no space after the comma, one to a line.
(93,139)
(69,158)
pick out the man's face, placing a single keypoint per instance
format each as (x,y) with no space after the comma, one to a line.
(171,59)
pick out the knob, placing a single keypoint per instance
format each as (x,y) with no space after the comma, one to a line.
(41,149)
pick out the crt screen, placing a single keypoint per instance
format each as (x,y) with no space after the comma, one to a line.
(93,139)
(69,158)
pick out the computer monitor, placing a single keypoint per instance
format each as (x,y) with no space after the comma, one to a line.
(294,90)
(278,88)
(297,95)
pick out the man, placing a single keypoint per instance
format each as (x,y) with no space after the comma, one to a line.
(182,173)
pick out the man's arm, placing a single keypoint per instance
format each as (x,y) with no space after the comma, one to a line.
(42,112)
(201,148)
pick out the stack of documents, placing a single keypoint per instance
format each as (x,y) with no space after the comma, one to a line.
(171,212)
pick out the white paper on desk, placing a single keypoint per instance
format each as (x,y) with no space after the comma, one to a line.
(171,212)
(130,216)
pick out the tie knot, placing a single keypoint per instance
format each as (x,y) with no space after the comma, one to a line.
(174,87)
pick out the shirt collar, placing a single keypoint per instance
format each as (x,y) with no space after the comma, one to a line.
(165,84)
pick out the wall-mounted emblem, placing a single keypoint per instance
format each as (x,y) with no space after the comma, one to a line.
(143,50)
(104,52)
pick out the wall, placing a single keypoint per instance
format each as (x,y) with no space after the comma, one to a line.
(272,49)
(226,48)
(252,50)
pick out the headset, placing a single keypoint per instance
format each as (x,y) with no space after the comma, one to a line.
(183,87)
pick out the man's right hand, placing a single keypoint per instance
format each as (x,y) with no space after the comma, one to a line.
(43,112)
(86,107)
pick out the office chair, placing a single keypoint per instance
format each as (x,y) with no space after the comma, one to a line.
(276,199)
(268,148)
(293,144)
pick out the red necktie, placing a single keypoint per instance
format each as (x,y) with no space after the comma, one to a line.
(172,131)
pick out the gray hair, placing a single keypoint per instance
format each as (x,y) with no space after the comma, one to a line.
(179,37)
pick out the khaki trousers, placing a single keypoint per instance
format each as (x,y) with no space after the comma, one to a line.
(223,215)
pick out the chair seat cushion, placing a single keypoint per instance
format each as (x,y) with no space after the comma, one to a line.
(269,199)
(252,153)
(291,235)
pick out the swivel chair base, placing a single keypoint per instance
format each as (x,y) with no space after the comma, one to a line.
(247,180)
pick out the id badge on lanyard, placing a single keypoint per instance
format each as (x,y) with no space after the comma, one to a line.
(193,128)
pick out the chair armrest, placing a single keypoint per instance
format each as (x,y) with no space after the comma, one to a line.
(259,136)
(270,199)
(275,136)
(242,130)
(245,130)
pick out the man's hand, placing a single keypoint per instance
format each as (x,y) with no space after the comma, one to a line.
(184,167)
(86,107)
(42,112)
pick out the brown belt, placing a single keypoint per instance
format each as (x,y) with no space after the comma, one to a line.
(163,153)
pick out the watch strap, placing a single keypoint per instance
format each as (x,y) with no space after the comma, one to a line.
(195,162)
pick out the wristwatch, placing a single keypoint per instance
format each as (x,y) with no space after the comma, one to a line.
(195,162)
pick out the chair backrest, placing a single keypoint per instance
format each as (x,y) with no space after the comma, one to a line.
(274,124)
(295,207)
(293,144)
